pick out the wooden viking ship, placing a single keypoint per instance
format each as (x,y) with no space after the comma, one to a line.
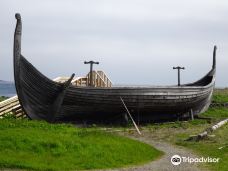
(44,99)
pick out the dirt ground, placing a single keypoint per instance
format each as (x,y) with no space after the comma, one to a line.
(163,163)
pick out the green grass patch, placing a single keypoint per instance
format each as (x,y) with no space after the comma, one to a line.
(2,98)
(216,113)
(220,96)
(178,124)
(37,145)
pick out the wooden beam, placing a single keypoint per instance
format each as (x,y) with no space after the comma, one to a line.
(136,127)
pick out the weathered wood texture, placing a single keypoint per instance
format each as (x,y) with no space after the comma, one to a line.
(37,94)
(205,133)
(135,125)
(11,106)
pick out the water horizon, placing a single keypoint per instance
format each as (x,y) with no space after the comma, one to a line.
(7,88)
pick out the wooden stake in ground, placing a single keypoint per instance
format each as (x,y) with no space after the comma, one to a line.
(136,127)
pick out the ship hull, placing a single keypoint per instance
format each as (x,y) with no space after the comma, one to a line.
(44,99)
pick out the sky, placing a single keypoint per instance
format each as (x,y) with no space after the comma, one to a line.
(136,41)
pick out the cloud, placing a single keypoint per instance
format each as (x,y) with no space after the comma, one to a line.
(136,41)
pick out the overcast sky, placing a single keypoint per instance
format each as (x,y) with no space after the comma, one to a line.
(135,41)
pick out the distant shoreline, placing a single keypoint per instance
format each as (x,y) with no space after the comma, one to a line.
(7,88)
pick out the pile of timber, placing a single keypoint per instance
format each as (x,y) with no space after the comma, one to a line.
(11,106)
(99,78)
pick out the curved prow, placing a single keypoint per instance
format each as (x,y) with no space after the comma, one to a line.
(209,78)
(214,57)
(17,37)
(17,54)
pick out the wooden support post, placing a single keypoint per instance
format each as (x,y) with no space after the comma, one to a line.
(178,116)
(136,127)
(192,115)
(125,118)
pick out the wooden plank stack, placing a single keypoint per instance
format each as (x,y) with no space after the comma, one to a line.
(11,106)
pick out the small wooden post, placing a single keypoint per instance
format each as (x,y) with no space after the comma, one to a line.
(126,120)
(178,116)
(192,115)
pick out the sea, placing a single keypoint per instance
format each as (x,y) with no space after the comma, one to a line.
(7,88)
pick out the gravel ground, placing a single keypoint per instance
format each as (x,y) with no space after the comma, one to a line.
(164,163)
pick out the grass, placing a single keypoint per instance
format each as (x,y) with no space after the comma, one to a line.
(177,131)
(2,98)
(37,145)
(216,113)
(220,96)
